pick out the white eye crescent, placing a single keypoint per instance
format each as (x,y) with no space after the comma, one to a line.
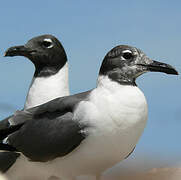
(48,43)
(127,51)
(127,54)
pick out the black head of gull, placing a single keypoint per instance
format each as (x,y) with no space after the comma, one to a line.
(125,63)
(45,52)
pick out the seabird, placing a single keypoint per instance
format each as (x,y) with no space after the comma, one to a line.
(86,133)
(50,79)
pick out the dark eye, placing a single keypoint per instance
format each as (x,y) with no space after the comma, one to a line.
(47,44)
(127,55)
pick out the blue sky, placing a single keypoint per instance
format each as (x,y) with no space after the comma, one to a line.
(88,30)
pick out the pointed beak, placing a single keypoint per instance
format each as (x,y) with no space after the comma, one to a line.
(156,66)
(18,51)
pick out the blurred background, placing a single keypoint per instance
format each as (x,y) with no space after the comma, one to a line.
(88,30)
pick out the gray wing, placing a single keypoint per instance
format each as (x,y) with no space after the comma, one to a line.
(46,138)
(47,131)
(7,159)
(4,123)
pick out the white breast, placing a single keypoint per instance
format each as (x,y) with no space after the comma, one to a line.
(44,89)
(117,115)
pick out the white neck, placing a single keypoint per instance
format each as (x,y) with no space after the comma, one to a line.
(106,83)
(44,89)
(125,104)
(110,91)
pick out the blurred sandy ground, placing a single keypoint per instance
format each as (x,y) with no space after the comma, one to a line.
(146,167)
(154,174)
(2,177)
(142,167)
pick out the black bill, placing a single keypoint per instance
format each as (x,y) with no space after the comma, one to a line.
(18,51)
(156,66)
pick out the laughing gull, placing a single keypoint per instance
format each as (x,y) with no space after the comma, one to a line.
(50,79)
(86,133)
